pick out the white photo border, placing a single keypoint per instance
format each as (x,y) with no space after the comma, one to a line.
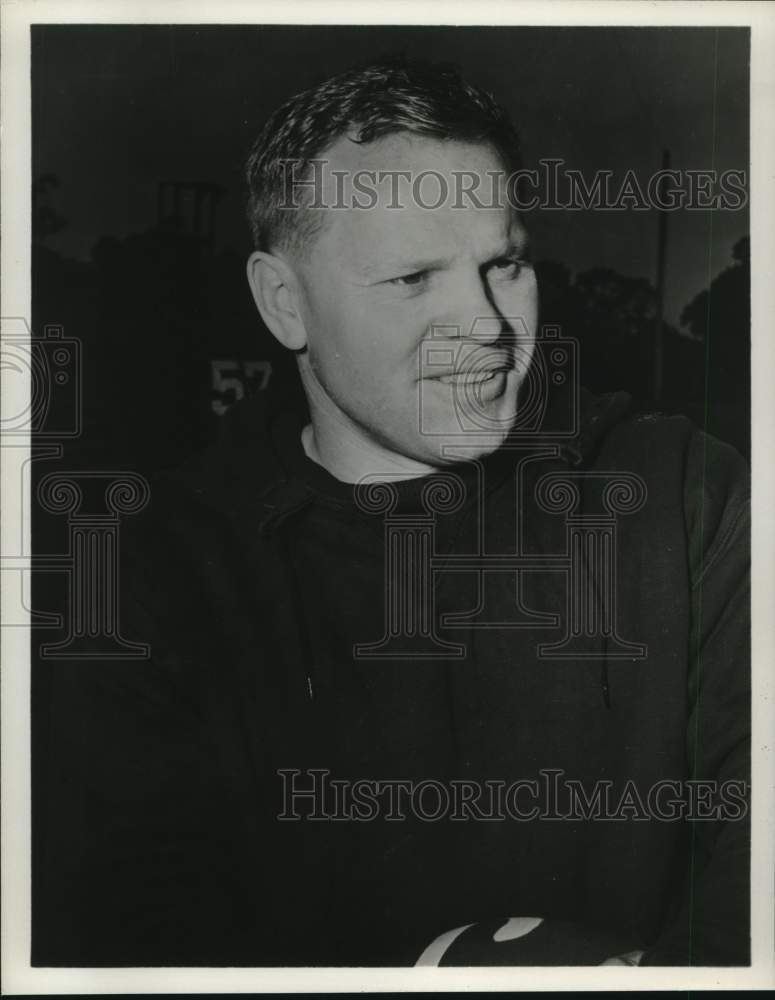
(15,120)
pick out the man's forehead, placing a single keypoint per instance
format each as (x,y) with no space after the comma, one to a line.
(416,246)
(419,207)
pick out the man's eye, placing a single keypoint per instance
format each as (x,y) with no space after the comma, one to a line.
(416,278)
(507,268)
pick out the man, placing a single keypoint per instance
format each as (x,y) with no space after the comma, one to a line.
(449,660)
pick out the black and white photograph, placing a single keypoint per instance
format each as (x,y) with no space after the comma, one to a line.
(377,545)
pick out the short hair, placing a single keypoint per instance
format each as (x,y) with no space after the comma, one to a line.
(380,99)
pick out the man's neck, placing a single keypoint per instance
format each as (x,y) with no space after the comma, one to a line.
(349,459)
(345,450)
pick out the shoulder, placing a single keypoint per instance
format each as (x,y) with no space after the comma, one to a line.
(199,519)
(717,501)
(685,469)
(668,444)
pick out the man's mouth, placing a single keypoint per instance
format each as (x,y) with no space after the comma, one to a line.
(471,376)
(457,378)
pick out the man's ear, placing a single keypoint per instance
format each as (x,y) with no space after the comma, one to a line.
(276,293)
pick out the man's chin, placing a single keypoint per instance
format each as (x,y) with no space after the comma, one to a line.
(446,443)
(469,418)
(468,447)
(442,450)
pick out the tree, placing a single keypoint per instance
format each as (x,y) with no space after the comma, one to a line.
(45,219)
(720,318)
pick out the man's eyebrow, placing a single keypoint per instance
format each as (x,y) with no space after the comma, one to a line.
(402,265)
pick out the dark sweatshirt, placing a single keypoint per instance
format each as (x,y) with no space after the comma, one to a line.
(255,574)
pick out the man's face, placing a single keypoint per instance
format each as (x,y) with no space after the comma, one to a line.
(420,322)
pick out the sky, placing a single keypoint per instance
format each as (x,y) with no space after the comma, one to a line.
(117,109)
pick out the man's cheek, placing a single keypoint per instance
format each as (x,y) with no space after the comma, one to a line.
(522,313)
(519,300)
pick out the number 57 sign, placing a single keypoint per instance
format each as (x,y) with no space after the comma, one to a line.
(232,379)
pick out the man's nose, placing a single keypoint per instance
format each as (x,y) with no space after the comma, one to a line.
(471,314)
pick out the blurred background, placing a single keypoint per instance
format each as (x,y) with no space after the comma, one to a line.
(139,235)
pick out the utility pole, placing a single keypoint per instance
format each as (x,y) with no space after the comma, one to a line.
(659,319)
